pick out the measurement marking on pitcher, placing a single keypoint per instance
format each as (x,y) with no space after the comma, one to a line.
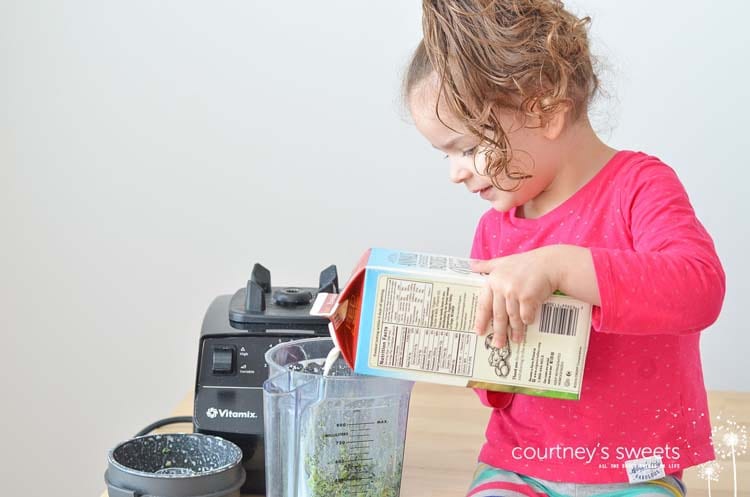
(354,478)
(356,468)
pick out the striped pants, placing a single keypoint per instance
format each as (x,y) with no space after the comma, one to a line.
(495,482)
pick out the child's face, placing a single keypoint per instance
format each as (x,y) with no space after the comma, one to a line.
(533,153)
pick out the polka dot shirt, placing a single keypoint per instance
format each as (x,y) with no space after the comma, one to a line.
(660,284)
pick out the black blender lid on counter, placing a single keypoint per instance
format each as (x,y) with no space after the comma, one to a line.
(236,332)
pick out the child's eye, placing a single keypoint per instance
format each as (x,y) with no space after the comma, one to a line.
(467,153)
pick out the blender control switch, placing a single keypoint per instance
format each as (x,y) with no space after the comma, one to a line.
(223,360)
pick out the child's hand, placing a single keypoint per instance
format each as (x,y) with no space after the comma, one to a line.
(515,289)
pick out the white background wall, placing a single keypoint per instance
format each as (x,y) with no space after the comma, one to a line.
(150,152)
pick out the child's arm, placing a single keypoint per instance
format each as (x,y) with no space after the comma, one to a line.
(576,275)
(670,282)
(517,285)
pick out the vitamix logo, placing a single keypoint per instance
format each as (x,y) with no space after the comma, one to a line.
(212,413)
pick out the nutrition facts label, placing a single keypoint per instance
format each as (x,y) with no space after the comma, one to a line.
(425,326)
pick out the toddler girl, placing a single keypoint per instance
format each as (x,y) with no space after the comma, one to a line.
(502,88)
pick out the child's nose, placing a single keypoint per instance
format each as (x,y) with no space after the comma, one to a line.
(459,172)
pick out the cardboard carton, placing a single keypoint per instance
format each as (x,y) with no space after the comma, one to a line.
(411,315)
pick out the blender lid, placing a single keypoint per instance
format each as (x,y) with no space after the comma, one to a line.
(261,303)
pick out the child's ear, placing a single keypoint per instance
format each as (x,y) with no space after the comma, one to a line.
(555,123)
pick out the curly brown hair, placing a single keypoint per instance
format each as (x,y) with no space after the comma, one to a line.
(527,56)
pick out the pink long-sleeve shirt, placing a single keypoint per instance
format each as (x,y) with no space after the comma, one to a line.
(660,283)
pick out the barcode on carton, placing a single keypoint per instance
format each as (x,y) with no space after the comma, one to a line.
(559,319)
(426,349)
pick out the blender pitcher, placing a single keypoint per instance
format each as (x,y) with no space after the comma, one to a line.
(331,436)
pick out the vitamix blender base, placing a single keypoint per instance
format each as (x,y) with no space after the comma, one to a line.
(236,333)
